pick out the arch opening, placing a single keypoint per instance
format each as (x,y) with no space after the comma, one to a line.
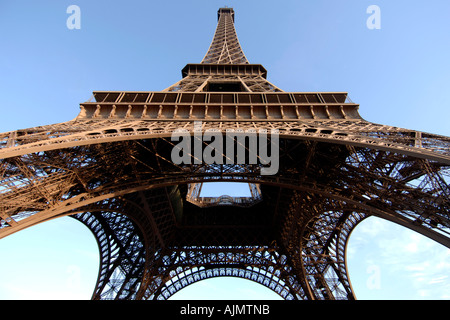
(225,288)
(390,262)
(205,194)
(55,260)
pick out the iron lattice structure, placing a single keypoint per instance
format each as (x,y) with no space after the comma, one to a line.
(111,169)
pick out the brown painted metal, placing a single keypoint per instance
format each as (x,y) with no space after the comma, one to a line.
(111,168)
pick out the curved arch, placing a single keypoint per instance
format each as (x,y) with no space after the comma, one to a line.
(139,130)
(338,253)
(184,266)
(126,237)
(226,288)
(122,254)
(318,227)
(65,207)
(334,267)
(196,274)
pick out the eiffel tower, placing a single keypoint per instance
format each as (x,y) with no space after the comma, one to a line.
(112,169)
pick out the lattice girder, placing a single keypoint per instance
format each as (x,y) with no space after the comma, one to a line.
(188,265)
(122,254)
(225,47)
(384,188)
(117,116)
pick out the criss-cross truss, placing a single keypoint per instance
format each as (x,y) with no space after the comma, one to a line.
(224,66)
(225,47)
(112,169)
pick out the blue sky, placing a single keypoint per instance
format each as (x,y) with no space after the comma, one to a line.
(398,74)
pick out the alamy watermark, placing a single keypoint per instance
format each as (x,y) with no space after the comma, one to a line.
(374,20)
(374,280)
(236,146)
(74,20)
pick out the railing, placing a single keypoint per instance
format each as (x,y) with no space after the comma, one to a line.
(224,201)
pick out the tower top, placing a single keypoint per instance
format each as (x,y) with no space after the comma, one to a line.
(225,47)
(225,10)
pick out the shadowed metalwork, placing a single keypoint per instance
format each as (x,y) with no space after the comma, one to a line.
(111,169)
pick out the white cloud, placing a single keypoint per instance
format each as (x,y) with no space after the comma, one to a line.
(441,279)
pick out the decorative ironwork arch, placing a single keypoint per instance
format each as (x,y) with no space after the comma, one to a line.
(261,277)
